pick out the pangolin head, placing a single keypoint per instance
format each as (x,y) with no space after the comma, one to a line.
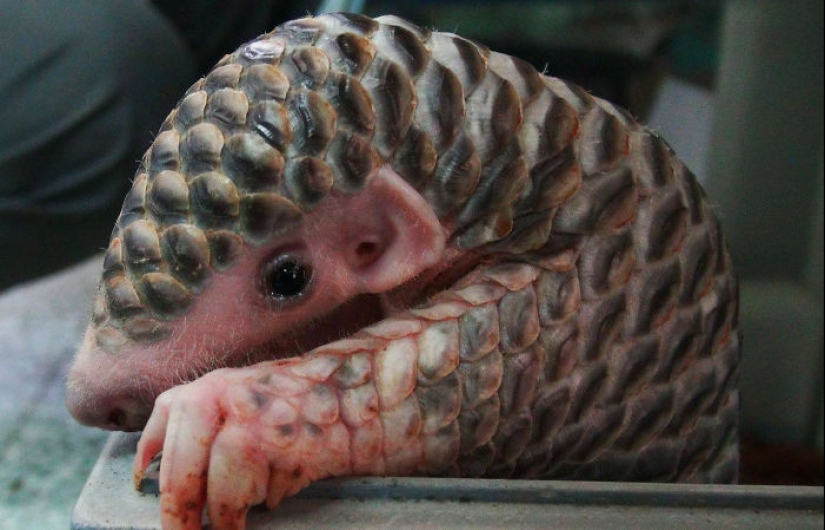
(310,109)
(267,134)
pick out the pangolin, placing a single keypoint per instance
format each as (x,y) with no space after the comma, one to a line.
(360,247)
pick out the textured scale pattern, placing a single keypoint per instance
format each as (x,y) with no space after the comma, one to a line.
(606,349)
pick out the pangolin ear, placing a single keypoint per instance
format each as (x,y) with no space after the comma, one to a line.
(390,234)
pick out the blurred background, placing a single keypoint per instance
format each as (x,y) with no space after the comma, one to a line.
(736,87)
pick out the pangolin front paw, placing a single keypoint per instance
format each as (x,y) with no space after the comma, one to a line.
(240,437)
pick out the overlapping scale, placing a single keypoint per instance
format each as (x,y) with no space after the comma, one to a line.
(633,288)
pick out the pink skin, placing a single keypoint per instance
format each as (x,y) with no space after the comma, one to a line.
(227,452)
(239,437)
(383,241)
(367,243)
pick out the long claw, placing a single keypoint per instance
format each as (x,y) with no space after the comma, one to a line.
(150,481)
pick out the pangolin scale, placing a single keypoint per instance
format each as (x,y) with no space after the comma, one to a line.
(589,329)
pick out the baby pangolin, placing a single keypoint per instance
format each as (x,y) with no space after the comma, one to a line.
(358,247)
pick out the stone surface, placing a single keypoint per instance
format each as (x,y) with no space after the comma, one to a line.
(45,455)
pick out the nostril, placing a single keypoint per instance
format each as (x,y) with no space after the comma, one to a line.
(118,418)
(128,416)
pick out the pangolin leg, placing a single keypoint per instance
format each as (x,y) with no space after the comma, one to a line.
(457,386)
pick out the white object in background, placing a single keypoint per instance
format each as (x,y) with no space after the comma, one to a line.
(333,6)
(683,113)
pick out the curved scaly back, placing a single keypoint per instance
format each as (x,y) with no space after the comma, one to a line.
(506,157)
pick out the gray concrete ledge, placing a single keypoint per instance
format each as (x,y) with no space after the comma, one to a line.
(108,502)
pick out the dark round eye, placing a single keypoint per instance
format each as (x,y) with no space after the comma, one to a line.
(286,277)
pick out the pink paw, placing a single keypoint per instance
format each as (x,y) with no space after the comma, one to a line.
(240,437)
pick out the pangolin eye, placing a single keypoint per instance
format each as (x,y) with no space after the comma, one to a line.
(286,277)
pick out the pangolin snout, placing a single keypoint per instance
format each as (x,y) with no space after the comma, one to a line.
(112,412)
(103,391)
